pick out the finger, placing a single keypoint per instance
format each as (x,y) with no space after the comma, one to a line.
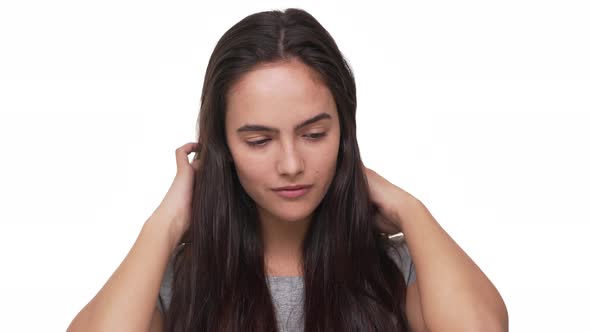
(197,155)
(183,151)
(386,225)
(197,158)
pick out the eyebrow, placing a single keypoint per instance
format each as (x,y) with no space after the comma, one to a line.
(255,127)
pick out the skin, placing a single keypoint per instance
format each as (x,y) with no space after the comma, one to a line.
(282,95)
(451,293)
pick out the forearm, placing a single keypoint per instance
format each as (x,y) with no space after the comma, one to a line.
(128,299)
(455,294)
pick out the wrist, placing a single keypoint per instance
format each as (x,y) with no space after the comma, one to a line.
(167,226)
(407,211)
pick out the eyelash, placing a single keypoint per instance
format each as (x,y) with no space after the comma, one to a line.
(314,137)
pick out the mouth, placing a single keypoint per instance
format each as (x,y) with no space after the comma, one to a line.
(293,187)
(292,191)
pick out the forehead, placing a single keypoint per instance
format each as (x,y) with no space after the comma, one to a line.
(284,92)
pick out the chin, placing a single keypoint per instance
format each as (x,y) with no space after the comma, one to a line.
(299,218)
(295,216)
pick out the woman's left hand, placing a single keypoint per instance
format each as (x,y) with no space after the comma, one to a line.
(389,200)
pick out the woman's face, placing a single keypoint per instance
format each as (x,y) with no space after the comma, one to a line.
(290,151)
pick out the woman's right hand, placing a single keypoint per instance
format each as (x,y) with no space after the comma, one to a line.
(176,205)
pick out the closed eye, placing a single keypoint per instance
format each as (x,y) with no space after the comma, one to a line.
(262,142)
(316,135)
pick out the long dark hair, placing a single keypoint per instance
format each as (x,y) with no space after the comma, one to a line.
(219,279)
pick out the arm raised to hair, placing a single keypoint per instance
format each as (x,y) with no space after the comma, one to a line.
(451,293)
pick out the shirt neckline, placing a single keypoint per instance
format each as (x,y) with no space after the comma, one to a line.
(284,277)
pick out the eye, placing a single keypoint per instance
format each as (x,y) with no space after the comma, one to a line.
(262,142)
(258,143)
(316,136)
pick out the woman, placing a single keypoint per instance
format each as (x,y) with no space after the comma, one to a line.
(278,111)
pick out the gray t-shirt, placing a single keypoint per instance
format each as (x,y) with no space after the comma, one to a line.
(287,291)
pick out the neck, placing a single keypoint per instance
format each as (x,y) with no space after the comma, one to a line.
(283,244)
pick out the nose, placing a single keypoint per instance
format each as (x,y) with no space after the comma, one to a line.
(290,162)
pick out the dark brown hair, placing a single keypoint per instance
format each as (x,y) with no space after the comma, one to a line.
(219,283)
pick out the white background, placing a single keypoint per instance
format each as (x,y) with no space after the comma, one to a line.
(478,109)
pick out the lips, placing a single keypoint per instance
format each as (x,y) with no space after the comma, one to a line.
(293,187)
(299,191)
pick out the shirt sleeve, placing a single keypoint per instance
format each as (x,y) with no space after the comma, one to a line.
(165,293)
(401,256)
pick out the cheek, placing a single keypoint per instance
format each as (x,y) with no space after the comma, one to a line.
(330,155)
(329,160)
(250,173)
